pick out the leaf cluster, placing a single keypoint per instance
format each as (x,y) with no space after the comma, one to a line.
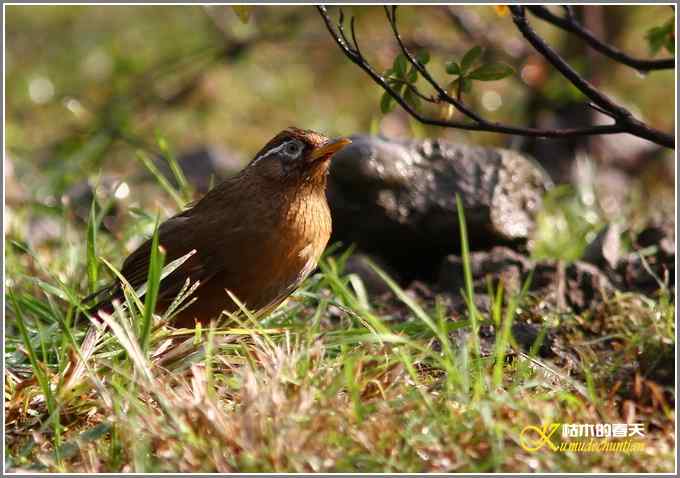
(402,79)
(465,75)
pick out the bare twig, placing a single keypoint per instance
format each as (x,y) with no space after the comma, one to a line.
(571,25)
(416,91)
(622,115)
(476,32)
(624,121)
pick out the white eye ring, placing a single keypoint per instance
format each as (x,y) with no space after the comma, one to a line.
(293,148)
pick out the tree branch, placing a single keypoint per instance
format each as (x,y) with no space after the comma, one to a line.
(392,18)
(623,116)
(571,25)
(625,123)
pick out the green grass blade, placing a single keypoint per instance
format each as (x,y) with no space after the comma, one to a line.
(185,189)
(153,287)
(171,267)
(32,356)
(142,156)
(408,301)
(503,340)
(136,294)
(467,273)
(126,285)
(39,373)
(92,265)
(478,380)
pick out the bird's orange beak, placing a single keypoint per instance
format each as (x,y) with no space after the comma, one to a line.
(329,149)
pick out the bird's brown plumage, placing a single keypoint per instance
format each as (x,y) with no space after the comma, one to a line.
(258,234)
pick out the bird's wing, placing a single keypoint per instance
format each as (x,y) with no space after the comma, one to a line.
(222,248)
(177,236)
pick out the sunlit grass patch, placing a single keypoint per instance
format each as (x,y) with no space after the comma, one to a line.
(324,383)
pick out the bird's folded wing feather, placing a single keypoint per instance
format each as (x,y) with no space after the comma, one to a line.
(233,246)
(177,239)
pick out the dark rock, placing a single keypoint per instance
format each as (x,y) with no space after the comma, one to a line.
(646,275)
(586,285)
(612,188)
(656,268)
(578,285)
(459,305)
(628,271)
(527,335)
(500,263)
(661,235)
(397,199)
(200,166)
(606,249)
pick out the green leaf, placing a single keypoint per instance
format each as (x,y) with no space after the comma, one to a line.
(386,103)
(412,76)
(452,68)
(561,229)
(469,58)
(399,66)
(661,36)
(423,57)
(38,371)
(491,72)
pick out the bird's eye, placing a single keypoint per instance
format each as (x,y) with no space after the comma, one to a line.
(293,148)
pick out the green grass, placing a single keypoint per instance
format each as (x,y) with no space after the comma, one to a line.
(330,381)
(333,380)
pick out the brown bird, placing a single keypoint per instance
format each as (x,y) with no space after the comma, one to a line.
(258,234)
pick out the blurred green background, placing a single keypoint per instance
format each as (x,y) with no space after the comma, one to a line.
(86,86)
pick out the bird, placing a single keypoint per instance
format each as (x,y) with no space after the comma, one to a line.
(258,234)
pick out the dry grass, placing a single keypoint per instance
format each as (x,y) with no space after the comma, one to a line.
(303,392)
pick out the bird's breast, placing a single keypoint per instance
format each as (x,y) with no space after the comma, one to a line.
(293,250)
(306,232)
(265,258)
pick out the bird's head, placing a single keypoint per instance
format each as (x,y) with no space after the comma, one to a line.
(296,156)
